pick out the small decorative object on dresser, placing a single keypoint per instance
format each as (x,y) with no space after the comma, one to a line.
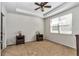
(20,39)
(77,44)
(39,37)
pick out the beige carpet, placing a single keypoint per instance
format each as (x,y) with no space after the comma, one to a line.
(42,48)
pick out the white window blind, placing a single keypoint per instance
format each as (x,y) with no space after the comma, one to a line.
(62,24)
(54,25)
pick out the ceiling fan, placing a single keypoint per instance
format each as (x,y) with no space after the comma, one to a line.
(42,5)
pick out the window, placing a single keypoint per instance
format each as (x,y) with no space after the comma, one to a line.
(54,25)
(62,24)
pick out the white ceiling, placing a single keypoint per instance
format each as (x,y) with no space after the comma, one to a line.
(28,7)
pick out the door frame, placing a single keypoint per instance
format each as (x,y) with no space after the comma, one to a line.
(2,30)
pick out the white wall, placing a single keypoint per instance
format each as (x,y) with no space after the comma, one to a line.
(27,24)
(0,24)
(0,18)
(68,40)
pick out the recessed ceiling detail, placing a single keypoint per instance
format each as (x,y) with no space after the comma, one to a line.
(28,7)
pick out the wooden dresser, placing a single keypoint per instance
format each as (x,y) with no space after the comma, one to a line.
(39,37)
(77,44)
(20,39)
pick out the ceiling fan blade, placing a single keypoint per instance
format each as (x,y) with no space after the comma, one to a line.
(47,6)
(37,3)
(37,8)
(45,3)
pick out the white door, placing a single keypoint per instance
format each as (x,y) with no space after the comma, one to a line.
(0,26)
(4,32)
(4,27)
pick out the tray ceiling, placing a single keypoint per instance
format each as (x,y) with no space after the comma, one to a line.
(28,7)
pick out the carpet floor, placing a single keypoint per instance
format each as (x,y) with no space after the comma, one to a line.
(42,48)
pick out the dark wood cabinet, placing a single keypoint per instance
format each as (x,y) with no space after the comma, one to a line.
(77,44)
(20,39)
(39,37)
